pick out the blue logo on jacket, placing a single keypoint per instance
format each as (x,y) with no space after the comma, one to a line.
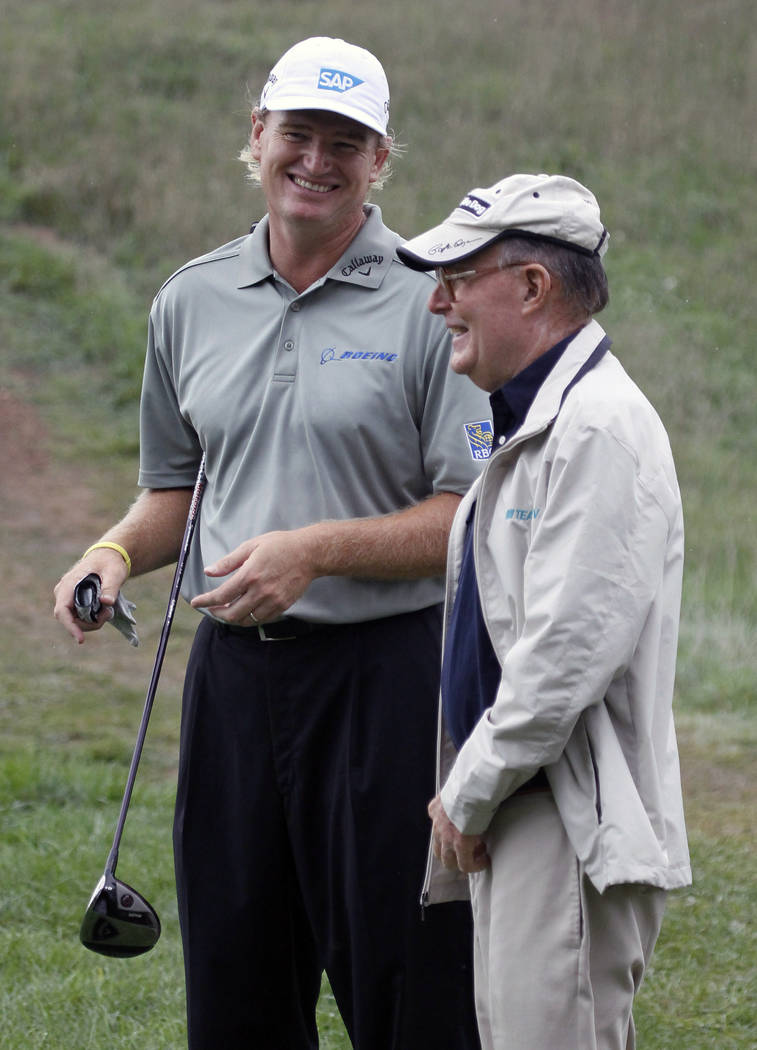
(522,513)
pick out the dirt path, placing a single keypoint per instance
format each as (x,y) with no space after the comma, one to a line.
(43,505)
(50,510)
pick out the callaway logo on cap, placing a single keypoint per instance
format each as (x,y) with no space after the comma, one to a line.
(330,74)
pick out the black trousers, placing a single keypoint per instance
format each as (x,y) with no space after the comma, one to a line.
(300,841)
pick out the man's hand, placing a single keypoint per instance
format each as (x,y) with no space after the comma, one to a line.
(270,573)
(151,532)
(110,567)
(451,847)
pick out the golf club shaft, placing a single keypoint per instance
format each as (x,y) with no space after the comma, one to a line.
(181,563)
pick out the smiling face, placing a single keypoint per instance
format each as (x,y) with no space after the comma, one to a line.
(315,167)
(486,319)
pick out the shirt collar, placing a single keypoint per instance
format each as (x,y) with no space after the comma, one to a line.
(510,404)
(254,262)
(365,262)
(370,255)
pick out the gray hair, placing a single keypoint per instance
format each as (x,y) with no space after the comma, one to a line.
(382,141)
(581,276)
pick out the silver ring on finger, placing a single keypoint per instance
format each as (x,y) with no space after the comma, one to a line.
(253,617)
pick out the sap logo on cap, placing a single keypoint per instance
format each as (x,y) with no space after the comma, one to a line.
(474,205)
(337,80)
(480,435)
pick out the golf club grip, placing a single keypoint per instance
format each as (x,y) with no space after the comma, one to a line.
(181,564)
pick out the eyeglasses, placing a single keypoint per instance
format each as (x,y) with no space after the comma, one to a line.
(447,280)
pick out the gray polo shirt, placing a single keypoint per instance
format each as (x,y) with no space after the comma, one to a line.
(335,403)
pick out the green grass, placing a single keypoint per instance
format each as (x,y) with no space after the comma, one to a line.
(700,989)
(62,766)
(119,131)
(58,805)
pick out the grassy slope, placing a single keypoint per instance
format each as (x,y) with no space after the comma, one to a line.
(118,134)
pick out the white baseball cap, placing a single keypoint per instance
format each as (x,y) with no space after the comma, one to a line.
(549,207)
(326,73)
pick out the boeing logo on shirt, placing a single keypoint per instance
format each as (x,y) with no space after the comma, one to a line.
(522,513)
(480,436)
(337,80)
(330,353)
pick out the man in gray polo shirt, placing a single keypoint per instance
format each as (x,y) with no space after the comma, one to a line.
(302,361)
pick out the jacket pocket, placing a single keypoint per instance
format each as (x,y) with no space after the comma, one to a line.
(595,774)
(575,778)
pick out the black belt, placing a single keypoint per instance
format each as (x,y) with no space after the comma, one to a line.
(278,631)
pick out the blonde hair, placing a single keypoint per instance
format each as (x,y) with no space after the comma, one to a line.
(382,141)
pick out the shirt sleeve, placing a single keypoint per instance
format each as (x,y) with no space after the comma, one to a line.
(453,408)
(170,451)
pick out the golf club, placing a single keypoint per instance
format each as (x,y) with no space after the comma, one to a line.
(118,920)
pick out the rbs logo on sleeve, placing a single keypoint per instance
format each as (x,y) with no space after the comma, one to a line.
(480,437)
(336,80)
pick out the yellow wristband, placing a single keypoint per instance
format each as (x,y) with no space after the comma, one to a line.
(111,546)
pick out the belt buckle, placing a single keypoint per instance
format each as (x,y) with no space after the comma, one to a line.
(268,638)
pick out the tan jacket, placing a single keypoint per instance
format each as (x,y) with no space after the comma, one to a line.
(578,548)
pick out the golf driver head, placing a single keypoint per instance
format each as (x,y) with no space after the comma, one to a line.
(118,920)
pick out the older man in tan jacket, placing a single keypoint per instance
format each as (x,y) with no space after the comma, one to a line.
(561,796)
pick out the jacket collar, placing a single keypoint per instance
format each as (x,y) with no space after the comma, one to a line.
(546,404)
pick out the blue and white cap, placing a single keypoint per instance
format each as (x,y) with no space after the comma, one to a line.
(551,207)
(327,73)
